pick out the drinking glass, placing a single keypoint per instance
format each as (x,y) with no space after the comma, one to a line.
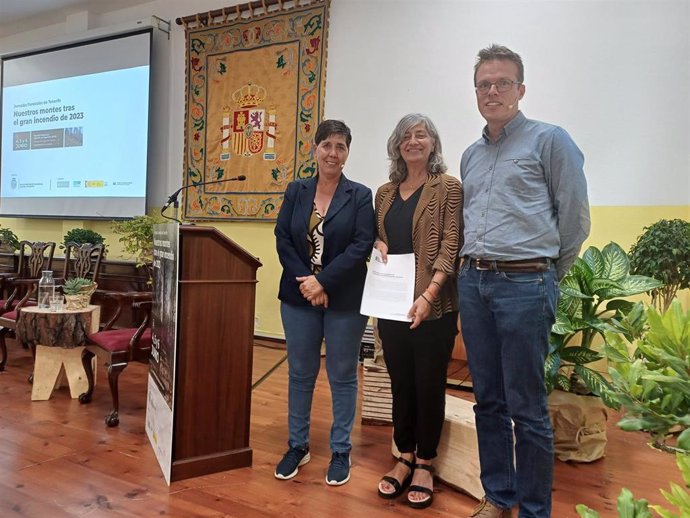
(56,303)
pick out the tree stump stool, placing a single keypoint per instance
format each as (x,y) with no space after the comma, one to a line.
(58,338)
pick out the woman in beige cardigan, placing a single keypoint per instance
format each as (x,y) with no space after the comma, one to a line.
(419,211)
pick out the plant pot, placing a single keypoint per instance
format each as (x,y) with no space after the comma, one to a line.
(80,300)
(579,426)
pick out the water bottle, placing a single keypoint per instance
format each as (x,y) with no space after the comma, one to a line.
(46,289)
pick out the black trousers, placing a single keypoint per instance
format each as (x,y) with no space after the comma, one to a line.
(417,361)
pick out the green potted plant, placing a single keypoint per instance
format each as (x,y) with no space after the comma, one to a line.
(82,236)
(137,239)
(653,385)
(590,298)
(77,292)
(663,252)
(9,242)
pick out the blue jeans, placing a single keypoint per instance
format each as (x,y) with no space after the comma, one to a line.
(305,327)
(506,320)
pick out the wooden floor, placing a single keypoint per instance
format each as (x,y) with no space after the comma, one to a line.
(58,459)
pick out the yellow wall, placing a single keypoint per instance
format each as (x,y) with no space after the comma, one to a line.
(256,238)
(620,224)
(625,224)
(55,230)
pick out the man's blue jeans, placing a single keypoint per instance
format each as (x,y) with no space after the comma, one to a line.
(305,328)
(506,320)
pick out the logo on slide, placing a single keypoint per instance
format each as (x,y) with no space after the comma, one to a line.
(21,140)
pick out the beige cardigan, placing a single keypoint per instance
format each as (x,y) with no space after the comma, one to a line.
(437,235)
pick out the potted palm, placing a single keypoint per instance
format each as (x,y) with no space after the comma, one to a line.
(663,252)
(591,298)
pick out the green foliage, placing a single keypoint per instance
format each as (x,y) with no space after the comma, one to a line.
(137,237)
(75,285)
(663,252)
(653,384)
(628,507)
(678,496)
(82,236)
(589,301)
(9,239)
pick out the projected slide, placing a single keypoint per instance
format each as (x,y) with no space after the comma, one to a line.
(80,136)
(74,129)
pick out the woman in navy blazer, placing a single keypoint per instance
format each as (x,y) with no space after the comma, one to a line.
(324,234)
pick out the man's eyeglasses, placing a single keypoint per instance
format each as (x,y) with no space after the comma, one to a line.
(502,85)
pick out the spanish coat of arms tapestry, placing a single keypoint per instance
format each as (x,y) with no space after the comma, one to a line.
(255,95)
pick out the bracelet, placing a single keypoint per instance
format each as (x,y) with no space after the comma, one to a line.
(436,283)
(428,301)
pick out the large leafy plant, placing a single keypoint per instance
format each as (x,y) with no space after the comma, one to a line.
(590,298)
(653,385)
(663,252)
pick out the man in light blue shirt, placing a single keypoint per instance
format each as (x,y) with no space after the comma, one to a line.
(526,216)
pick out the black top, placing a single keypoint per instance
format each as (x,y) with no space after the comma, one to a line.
(398,223)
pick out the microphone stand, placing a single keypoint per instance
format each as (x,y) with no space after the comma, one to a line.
(172,199)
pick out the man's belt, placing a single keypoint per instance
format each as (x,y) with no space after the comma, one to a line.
(539,264)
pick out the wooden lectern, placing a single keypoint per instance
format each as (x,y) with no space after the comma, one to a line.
(215,330)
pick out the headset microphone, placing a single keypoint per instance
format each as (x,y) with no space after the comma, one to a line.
(510,106)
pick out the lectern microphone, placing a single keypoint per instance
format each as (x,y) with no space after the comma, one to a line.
(172,199)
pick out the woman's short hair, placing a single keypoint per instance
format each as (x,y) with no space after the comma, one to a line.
(398,167)
(332,127)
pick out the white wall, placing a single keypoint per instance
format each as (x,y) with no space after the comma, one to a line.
(614,73)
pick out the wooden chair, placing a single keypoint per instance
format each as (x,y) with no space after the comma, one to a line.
(81,260)
(9,271)
(119,346)
(33,259)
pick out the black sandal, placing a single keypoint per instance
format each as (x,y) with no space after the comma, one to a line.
(421,504)
(399,486)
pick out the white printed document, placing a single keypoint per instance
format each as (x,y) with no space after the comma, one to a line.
(389,288)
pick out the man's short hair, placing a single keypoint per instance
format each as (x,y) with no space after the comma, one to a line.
(497,53)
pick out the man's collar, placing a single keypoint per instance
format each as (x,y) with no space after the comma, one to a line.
(512,126)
